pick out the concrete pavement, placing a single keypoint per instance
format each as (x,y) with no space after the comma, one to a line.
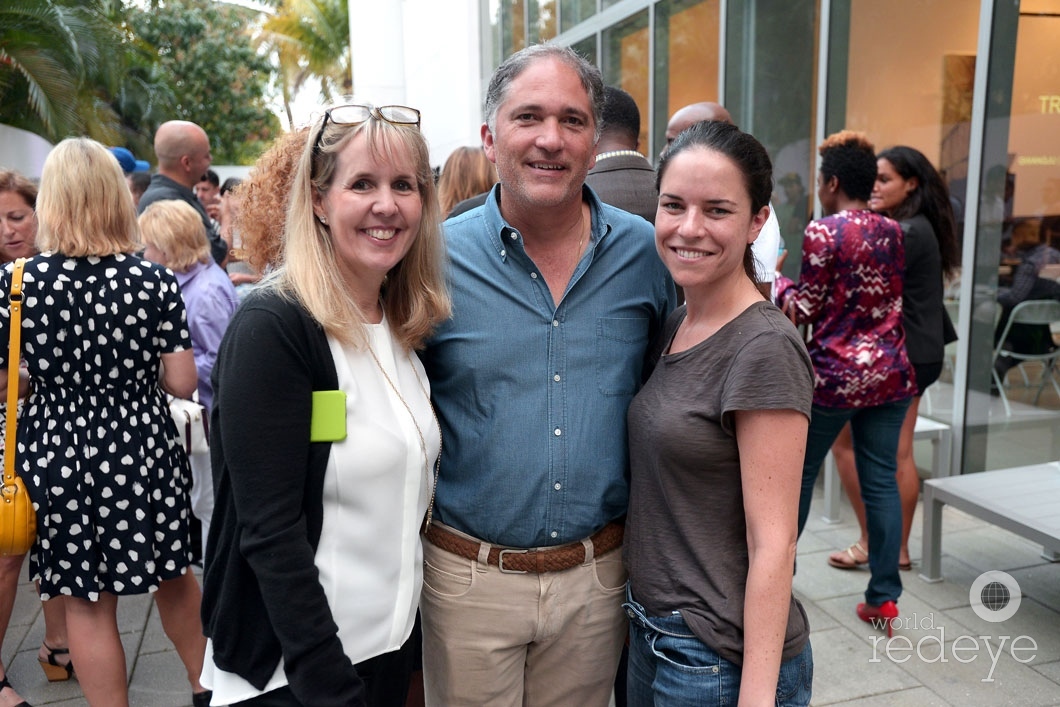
(942,654)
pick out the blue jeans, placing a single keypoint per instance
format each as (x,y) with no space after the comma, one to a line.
(670,667)
(875,431)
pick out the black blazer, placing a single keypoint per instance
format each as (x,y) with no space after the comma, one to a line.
(923,313)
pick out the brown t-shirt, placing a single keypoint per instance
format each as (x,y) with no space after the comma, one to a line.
(686,533)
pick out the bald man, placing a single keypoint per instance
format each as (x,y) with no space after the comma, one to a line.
(183,152)
(766,247)
(685,117)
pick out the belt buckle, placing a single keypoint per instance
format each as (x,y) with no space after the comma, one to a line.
(500,560)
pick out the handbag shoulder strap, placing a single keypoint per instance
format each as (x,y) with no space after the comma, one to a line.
(13,358)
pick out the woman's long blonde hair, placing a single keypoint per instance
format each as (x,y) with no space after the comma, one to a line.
(84,207)
(414,295)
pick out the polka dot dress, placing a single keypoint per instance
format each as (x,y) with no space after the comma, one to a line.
(96,445)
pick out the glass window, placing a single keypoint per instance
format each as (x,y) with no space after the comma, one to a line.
(571,12)
(542,20)
(903,73)
(513,27)
(1017,259)
(909,77)
(625,48)
(496,36)
(686,59)
(587,48)
(1034,140)
(768,91)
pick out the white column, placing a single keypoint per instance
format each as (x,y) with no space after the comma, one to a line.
(424,54)
(377,38)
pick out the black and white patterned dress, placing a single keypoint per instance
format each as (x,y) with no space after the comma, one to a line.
(96,445)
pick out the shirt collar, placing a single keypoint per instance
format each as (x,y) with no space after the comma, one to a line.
(501,231)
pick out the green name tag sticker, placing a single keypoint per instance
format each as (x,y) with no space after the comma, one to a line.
(328,422)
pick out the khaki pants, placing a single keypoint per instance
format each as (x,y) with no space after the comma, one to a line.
(533,640)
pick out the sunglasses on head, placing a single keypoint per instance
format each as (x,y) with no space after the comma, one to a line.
(355,114)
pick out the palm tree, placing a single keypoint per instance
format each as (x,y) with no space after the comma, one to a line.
(70,67)
(40,67)
(311,40)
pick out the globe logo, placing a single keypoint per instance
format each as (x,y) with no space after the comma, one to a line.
(995,596)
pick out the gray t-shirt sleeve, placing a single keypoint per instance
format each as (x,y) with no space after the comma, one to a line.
(771,371)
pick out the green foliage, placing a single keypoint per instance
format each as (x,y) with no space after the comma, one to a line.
(116,69)
(40,67)
(71,67)
(311,40)
(205,54)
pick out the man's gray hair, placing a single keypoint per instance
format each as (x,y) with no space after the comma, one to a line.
(514,65)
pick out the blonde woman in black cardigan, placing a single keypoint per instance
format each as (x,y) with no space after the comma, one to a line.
(324,442)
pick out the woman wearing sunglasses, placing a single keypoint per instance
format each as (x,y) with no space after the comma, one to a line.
(324,442)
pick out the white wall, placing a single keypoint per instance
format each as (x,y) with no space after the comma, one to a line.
(425,54)
(22,151)
(442,71)
(224,171)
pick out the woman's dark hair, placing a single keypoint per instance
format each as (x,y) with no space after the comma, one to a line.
(930,198)
(743,150)
(230,184)
(851,158)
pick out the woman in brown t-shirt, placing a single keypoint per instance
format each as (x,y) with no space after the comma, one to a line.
(717,437)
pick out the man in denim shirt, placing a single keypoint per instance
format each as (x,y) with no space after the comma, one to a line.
(556,298)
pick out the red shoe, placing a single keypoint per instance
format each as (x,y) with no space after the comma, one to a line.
(878,616)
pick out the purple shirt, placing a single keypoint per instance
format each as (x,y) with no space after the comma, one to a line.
(850,290)
(210,300)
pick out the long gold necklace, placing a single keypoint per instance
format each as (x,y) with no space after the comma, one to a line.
(419,432)
(585,229)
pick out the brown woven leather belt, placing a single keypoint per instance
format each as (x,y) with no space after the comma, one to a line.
(538,560)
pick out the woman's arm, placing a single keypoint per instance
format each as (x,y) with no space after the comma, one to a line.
(772,445)
(208,316)
(803,301)
(178,376)
(243,278)
(23,383)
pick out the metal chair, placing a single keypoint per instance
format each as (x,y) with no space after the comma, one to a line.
(1029,312)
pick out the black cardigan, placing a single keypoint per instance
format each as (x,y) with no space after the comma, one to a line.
(262,597)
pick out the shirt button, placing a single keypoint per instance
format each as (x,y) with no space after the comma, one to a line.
(556,378)
(555,534)
(514,236)
(558,432)
(533,275)
(558,486)
(504,253)
(555,323)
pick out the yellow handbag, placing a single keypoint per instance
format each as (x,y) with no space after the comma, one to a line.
(18,519)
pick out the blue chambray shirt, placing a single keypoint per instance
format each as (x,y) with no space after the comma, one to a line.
(532,397)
